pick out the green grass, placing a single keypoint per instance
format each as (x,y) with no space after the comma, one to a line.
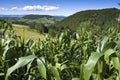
(29,33)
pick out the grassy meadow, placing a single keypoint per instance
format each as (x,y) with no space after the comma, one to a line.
(29,33)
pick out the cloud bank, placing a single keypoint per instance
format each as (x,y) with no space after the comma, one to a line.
(36,8)
(2,8)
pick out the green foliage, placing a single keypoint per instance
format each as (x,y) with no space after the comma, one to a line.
(84,56)
(41,28)
(91,19)
(41,23)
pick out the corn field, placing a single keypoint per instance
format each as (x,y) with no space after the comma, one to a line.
(85,57)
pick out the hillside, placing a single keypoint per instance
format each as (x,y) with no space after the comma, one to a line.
(36,16)
(34,35)
(90,19)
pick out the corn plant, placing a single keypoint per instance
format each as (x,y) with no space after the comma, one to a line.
(86,56)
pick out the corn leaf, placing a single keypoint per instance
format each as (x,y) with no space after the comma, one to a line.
(89,66)
(41,68)
(107,54)
(103,43)
(55,72)
(21,62)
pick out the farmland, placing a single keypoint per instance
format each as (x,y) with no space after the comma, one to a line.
(29,33)
(85,56)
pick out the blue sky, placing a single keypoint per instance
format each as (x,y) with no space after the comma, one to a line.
(53,7)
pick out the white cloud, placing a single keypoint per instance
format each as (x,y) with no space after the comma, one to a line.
(14,8)
(2,8)
(36,8)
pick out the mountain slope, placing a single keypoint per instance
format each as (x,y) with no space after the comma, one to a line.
(91,18)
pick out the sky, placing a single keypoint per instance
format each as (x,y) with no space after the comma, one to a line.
(53,7)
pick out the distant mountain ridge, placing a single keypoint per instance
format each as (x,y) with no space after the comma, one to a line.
(11,16)
(31,16)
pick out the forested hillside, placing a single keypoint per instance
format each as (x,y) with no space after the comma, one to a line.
(91,19)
